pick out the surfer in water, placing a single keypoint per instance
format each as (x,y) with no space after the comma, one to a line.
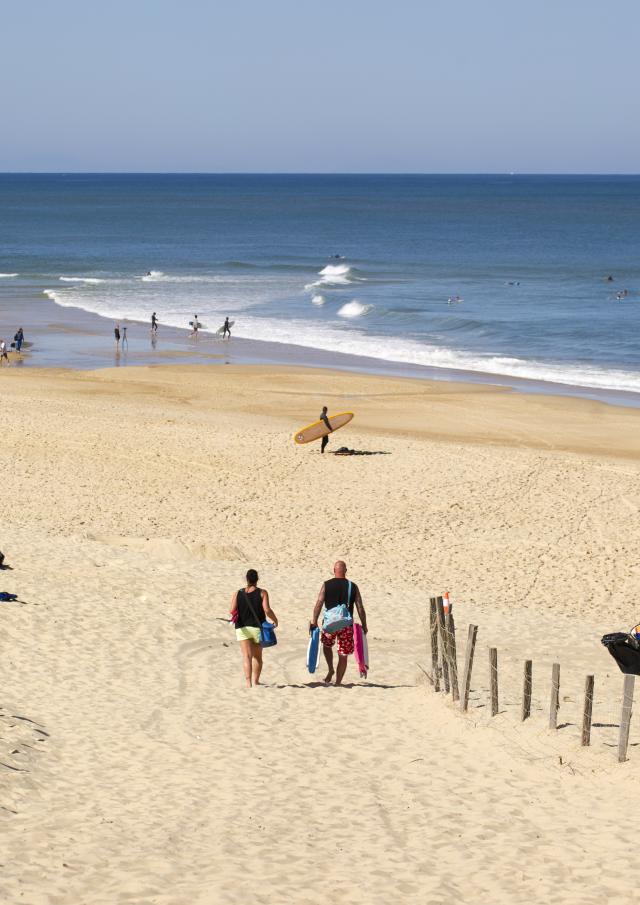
(333,593)
(226,329)
(324,417)
(194,326)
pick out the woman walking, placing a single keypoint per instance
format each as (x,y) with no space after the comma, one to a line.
(249,608)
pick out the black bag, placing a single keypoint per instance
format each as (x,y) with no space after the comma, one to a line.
(625,650)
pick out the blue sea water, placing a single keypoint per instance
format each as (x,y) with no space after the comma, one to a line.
(523,260)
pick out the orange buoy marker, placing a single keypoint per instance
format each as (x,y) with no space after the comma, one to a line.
(446,603)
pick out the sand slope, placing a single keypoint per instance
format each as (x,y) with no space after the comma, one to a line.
(136,501)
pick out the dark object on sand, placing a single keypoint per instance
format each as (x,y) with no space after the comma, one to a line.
(345,451)
(1,558)
(5,597)
(625,650)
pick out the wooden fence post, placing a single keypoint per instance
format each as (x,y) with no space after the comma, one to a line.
(468,664)
(450,626)
(493,679)
(443,644)
(555,696)
(625,718)
(526,690)
(433,628)
(587,711)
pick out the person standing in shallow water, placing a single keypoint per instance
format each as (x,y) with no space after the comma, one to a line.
(116,334)
(249,608)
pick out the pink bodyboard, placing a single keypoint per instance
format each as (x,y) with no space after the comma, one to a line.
(361,650)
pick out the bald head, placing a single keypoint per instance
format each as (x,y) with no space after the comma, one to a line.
(340,569)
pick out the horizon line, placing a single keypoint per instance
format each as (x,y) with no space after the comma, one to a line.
(305,173)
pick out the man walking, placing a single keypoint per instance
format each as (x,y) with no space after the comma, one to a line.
(226,328)
(333,592)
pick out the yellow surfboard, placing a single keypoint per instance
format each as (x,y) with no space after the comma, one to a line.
(319,428)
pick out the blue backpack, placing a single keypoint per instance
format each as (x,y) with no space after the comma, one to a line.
(338,617)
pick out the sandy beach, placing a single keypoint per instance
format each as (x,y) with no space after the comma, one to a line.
(134,766)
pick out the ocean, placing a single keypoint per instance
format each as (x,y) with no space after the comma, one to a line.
(500,275)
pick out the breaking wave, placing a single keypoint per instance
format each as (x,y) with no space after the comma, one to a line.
(354,309)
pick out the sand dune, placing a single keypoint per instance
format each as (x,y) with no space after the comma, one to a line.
(134,768)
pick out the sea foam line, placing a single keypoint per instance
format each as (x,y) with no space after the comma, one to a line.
(350,340)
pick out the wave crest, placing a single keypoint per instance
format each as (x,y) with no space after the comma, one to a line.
(354,309)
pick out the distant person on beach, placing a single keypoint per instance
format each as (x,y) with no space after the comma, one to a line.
(226,328)
(125,341)
(195,325)
(3,352)
(324,417)
(116,333)
(154,323)
(19,339)
(249,608)
(333,593)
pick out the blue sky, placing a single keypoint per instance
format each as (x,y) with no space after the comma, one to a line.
(351,86)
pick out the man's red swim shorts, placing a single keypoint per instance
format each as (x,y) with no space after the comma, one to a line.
(345,640)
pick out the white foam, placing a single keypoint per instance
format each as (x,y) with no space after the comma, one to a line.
(134,305)
(354,309)
(6,276)
(318,299)
(332,275)
(81,280)
(335,270)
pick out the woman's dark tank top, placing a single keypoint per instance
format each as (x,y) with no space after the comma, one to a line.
(245,616)
(335,592)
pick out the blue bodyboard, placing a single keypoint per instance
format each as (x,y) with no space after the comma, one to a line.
(313,650)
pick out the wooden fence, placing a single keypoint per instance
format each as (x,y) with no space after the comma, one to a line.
(444,678)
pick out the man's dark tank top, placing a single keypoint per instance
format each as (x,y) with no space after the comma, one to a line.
(245,616)
(335,592)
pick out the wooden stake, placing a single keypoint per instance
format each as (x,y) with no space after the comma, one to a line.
(443,644)
(555,696)
(587,711)
(526,690)
(450,626)
(468,664)
(433,628)
(625,718)
(493,679)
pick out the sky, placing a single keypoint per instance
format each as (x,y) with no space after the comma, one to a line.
(320,86)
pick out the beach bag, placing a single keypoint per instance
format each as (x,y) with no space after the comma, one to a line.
(5,596)
(624,647)
(267,631)
(338,617)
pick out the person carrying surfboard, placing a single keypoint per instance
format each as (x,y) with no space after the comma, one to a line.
(324,417)
(226,328)
(334,592)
